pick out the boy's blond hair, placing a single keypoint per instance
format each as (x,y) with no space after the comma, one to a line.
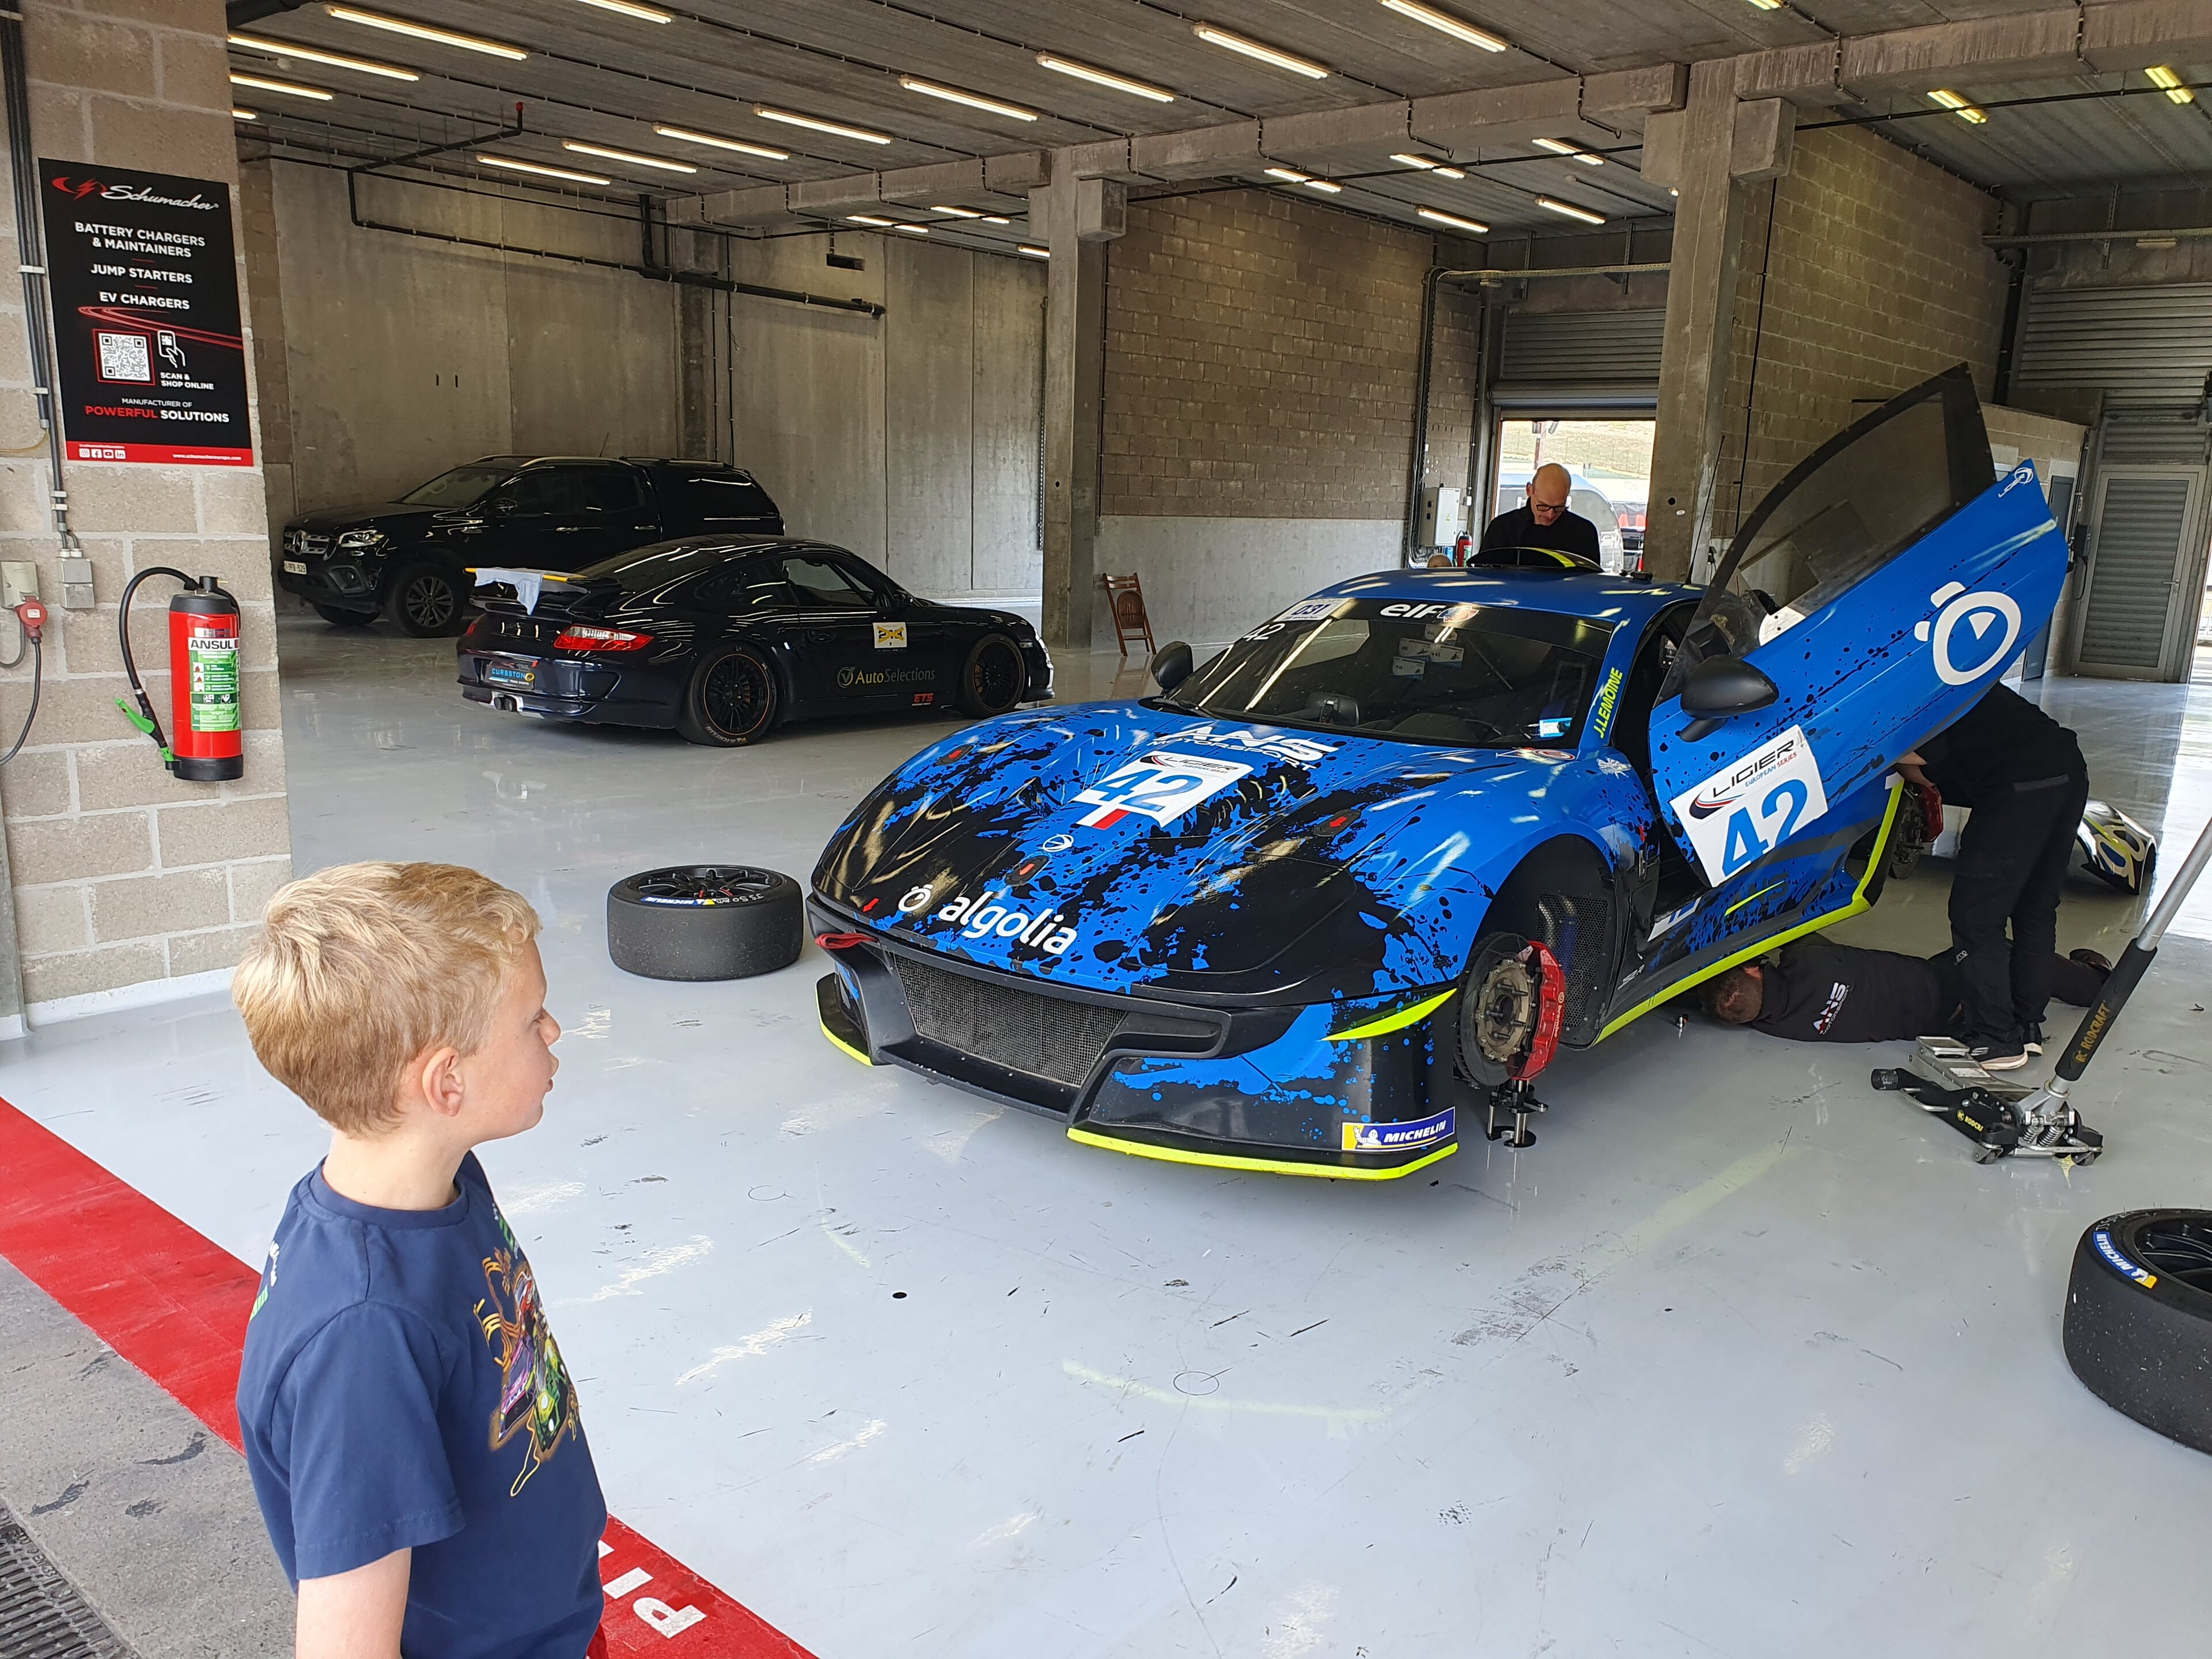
(361,967)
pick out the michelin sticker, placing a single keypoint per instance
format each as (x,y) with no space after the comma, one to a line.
(1752,806)
(1398,1136)
(1162,786)
(890,636)
(2119,1263)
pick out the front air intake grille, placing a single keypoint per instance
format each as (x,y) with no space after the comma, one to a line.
(41,1614)
(1043,1035)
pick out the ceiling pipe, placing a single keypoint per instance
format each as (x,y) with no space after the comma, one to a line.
(1486,277)
(2049,238)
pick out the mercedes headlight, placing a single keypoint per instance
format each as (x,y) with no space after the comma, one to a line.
(361,538)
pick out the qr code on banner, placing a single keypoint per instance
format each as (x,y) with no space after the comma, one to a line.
(126,357)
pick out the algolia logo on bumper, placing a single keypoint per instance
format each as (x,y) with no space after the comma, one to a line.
(988,917)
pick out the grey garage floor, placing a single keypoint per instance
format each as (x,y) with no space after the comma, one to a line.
(1741,1358)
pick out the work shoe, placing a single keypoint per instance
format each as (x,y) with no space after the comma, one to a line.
(2089,958)
(2008,1055)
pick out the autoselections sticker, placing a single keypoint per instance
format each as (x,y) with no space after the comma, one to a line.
(1162,786)
(878,679)
(1398,1136)
(890,636)
(151,360)
(1752,805)
(2119,1262)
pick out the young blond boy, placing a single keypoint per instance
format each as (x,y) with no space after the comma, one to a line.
(411,1431)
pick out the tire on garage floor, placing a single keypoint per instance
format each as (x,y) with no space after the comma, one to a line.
(339,618)
(702,921)
(2138,1330)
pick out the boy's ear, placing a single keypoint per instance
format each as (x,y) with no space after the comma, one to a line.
(433,1079)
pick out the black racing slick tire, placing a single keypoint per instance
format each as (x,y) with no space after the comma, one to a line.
(2138,1329)
(338,618)
(699,921)
(731,699)
(426,600)
(993,678)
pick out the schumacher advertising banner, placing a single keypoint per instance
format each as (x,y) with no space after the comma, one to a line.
(144,273)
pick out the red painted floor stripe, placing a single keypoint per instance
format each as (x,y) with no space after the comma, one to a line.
(174,1306)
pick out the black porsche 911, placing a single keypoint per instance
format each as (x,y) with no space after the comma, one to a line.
(725,638)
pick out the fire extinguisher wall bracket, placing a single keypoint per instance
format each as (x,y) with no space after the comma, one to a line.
(207,745)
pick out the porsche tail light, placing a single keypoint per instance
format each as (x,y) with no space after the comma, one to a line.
(577,637)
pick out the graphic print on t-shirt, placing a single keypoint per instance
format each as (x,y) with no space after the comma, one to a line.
(535,1391)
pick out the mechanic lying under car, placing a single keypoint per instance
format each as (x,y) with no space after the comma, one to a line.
(1818,992)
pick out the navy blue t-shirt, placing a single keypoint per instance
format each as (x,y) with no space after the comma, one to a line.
(401,1391)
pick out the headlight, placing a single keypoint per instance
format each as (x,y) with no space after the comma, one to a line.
(361,538)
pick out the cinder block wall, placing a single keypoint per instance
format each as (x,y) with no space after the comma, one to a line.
(1261,362)
(1874,277)
(122,874)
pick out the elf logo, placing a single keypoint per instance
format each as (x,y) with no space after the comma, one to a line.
(1979,612)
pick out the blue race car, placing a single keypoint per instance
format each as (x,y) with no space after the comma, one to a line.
(1368,869)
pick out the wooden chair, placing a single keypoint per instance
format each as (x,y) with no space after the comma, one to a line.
(1125,598)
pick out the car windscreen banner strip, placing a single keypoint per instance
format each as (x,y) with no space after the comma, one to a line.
(150,351)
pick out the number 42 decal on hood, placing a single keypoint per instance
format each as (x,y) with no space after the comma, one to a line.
(1752,805)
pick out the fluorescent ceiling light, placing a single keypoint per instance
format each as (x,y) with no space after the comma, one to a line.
(1959,107)
(310,54)
(1451,24)
(377,19)
(691,138)
(1261,50)
(958,213)
(913,230)
(291,86)
(1105,78)
(1290,175)
(606,154)
(868,219)
(973,100)
(1326,186)
(2170,84)
(1455,222)
(631,8)
(1571,211)
(817,124)
(246,115)
(513,166)
(1559,147)
(1767,5)
(996,219)
(1035,252)
(1429,164)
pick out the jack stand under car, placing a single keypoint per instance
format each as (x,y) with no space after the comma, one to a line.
(1508,1029)
(2006,1120)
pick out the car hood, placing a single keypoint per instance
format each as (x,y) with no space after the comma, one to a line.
(1116,846)
(375,516)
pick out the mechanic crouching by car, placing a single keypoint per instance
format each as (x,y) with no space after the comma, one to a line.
(1817,992)
(1545,521)
(2022,775)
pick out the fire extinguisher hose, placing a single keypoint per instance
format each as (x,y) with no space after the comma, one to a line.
(145,719)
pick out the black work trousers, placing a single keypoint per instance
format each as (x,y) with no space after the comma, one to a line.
(2011,866)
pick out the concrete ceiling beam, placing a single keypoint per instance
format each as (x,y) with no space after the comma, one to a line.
(1200,153)
(2133,34)
(822,195)
(1634,93)
(762,204)
(940,182)
(1494,115)
(1804,75)
(2030,43)
(1107,158)
(1019,171)
(1359,136)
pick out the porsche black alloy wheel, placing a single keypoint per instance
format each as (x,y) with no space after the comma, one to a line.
(699,921)
(1499,1003)
(2138,1328)
(993,679)
(731,699)
(426,601)
(338,618)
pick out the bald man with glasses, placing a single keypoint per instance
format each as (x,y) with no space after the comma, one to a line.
(1545,521)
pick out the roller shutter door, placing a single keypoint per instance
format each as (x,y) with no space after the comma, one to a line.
(2145,546)
(2148,350)
(1569,357)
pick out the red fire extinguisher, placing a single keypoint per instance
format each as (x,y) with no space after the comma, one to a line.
(208,746)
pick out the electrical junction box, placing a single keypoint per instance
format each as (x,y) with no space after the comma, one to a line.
(19,580)
(76,584)
(1441,516)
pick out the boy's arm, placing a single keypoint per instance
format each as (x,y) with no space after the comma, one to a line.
(354,1615)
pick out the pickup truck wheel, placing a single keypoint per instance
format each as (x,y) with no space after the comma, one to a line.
(704,922)
(2138,1327)
(731,699)
(993,678)
(338,618)
(426,601)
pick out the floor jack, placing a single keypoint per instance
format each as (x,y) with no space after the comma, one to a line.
(2009,1120)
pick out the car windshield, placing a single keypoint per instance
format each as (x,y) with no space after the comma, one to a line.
(1493,677)
(643,569)
(463,487)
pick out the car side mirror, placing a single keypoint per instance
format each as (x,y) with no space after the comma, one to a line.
(1171,665)
(500,506)
(1719,687)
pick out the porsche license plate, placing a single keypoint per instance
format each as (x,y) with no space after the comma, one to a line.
(521,675)
(295,567)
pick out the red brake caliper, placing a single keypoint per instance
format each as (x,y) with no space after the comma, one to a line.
(1551,1011)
